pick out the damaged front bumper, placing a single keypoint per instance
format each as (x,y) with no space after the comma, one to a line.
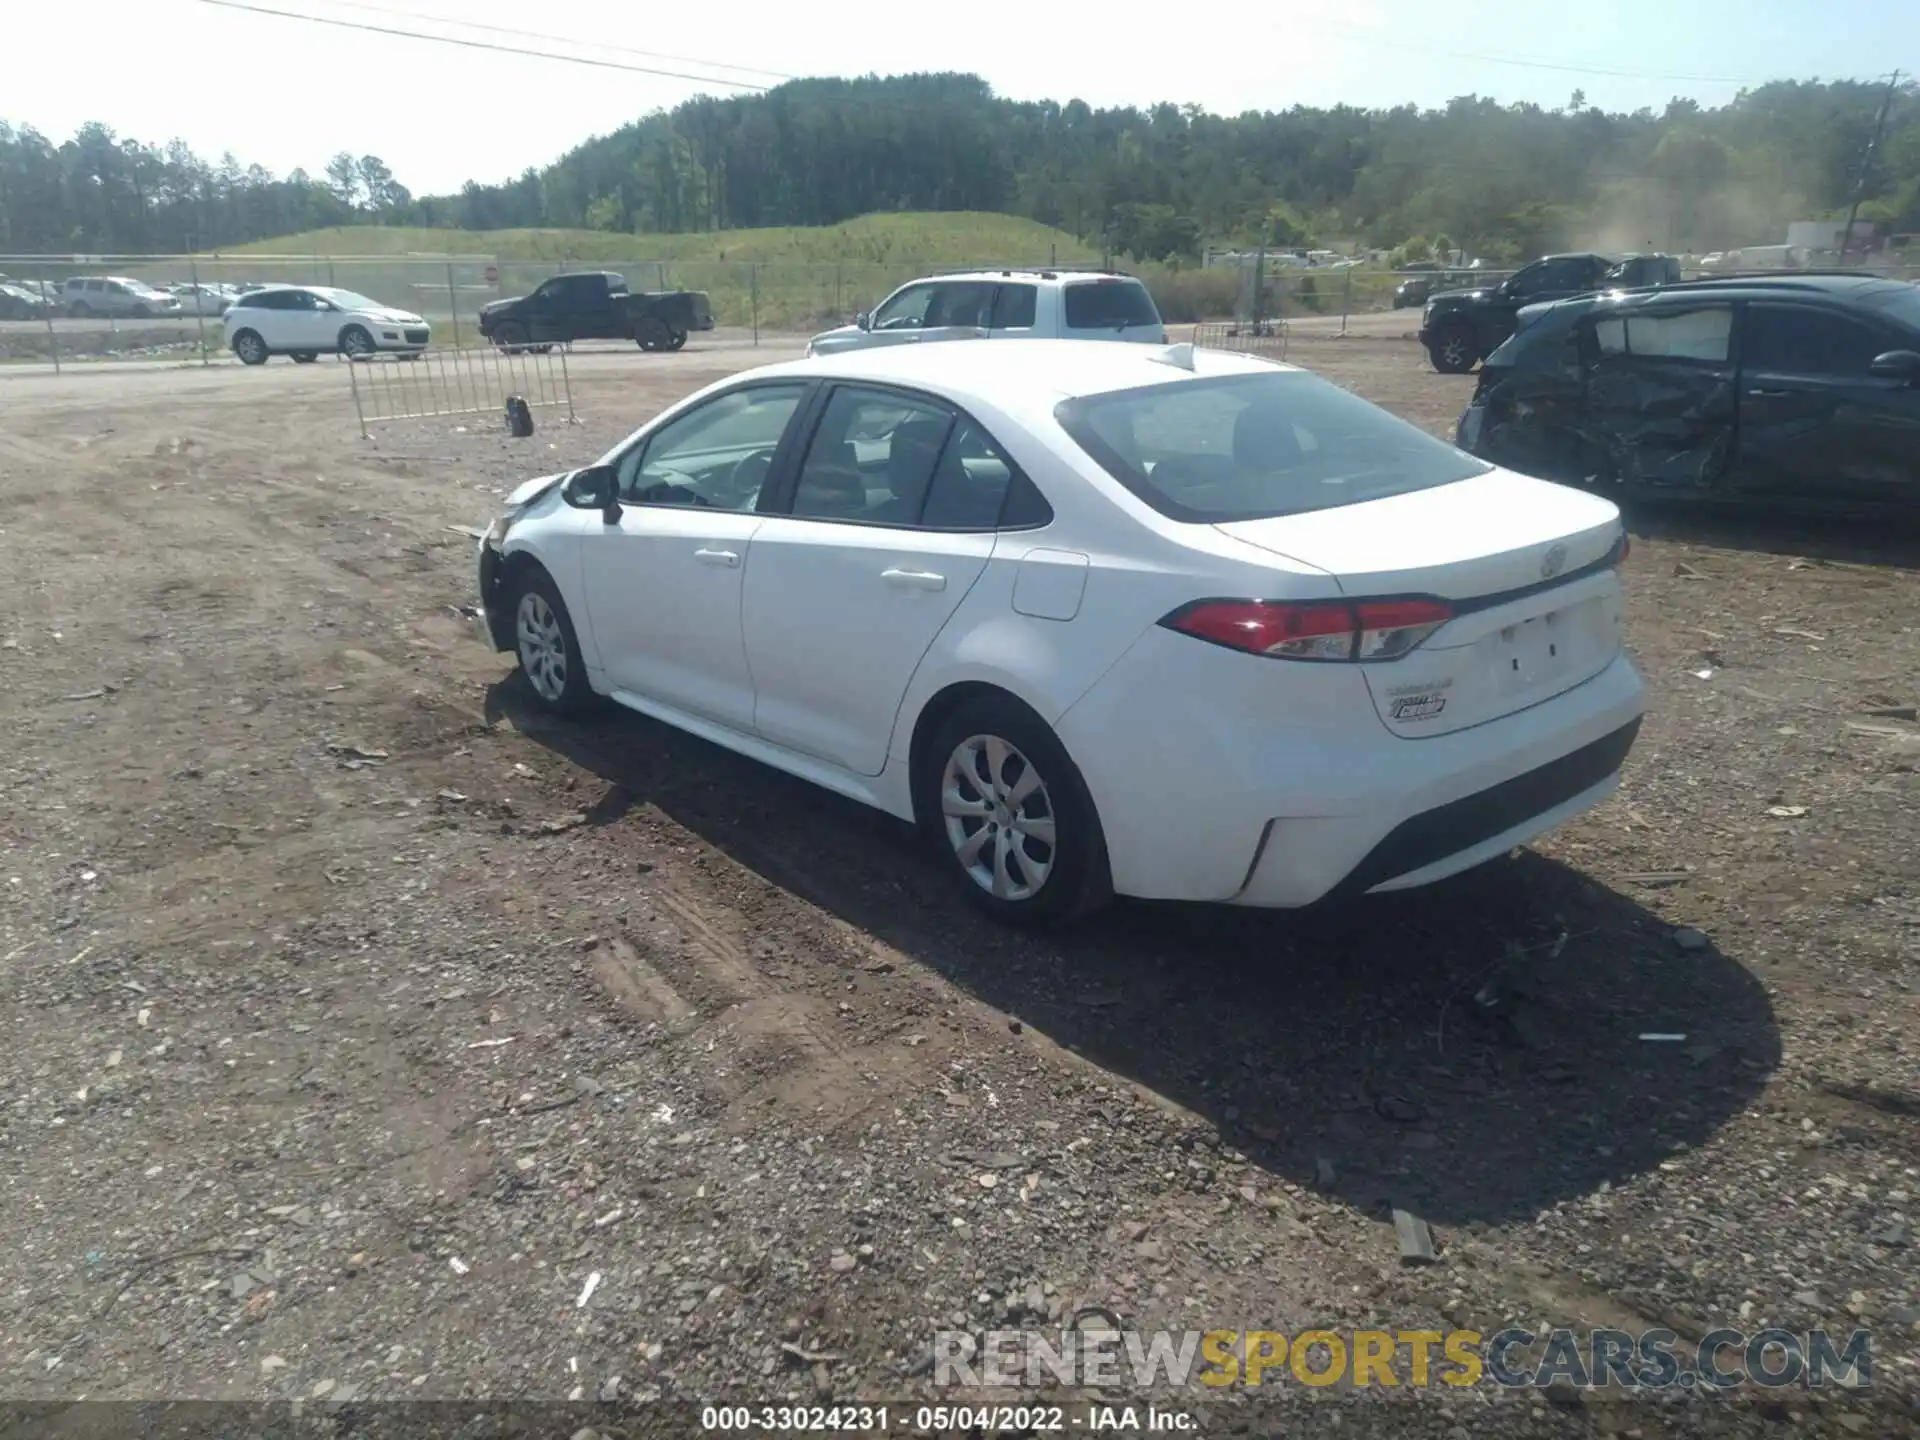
(496,622)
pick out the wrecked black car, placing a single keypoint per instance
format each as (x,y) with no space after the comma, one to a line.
(1460,327)
(1803,393)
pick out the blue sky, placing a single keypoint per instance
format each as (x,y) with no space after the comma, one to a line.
(287,94)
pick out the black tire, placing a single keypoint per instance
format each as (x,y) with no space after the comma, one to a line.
(652,333)
(356,342)
(1453,350)
(510,337)
(140,312)
(1062,880)
(676,340)
(541,349)
(563,690)
(305,357)
(251,349)
(82,310)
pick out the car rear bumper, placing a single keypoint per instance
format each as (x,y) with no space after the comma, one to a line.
(1202,800)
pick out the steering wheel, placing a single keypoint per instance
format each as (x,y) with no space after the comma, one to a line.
(749,474)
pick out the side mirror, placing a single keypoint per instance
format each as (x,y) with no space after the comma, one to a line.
(595,488)
(1897,365)
(863,320)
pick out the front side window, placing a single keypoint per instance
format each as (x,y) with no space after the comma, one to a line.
(906,310)
(1796,340)
(717,455)
(1250,447)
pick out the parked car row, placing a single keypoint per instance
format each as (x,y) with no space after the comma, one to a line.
(83,297)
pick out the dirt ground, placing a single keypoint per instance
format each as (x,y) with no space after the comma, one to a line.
(357,1018)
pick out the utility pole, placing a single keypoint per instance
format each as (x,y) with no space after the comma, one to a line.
(1866,164)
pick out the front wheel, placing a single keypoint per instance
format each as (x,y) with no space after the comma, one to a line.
(1453,351)
(251,349)
(547,648)
(510,338)
(1012,815)
(356,342)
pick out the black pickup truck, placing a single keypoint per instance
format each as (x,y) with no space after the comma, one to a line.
(595,305)
(1460,328)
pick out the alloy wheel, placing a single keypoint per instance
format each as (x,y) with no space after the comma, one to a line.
(998,817)
(543,647)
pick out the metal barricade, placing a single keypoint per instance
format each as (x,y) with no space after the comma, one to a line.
(1247,337)
(471,380)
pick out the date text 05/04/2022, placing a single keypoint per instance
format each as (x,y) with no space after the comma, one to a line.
(936,1419)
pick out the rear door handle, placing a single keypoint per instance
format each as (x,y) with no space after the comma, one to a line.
(1770,394)
(914,579)
(727,558)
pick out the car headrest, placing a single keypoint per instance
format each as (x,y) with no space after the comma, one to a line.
(1263,439)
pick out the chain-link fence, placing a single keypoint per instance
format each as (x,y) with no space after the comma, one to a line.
(63,320)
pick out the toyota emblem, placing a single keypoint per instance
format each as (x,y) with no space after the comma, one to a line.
(1552,562)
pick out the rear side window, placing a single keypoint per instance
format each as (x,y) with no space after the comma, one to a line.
(1249,447)
(1109,305)
(1800,341)
(1013,307)
(1686,335)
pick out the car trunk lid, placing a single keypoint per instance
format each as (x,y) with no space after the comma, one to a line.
(1525,565)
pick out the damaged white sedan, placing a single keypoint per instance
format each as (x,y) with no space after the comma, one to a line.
(1102,619)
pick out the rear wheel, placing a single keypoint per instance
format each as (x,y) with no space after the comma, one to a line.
(1452,350)
(652,334)
(1012,815)
(82,310)
(251,349)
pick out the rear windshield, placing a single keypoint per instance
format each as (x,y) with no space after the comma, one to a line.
(1248,447)
(1109,305)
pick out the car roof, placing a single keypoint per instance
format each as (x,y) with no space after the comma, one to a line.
(1022,376)
(1059,274)
(1839,287)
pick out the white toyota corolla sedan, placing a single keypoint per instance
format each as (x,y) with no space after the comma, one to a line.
(1162,622)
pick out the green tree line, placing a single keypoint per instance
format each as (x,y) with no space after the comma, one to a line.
(1502,180)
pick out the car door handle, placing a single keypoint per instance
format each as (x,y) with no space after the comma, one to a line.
(914,579)
(1770,394)
(727,558)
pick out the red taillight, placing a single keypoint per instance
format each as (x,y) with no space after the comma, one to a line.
(1313,629)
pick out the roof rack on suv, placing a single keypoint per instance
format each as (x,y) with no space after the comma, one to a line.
(1781,275)
(1045,272)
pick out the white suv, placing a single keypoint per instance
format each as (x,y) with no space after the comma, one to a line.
(308,320)
(1005,305)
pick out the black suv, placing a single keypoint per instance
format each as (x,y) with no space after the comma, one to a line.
(1802,392)
(1461,327)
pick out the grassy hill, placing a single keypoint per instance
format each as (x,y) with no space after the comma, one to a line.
(929,238)
(791,278)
